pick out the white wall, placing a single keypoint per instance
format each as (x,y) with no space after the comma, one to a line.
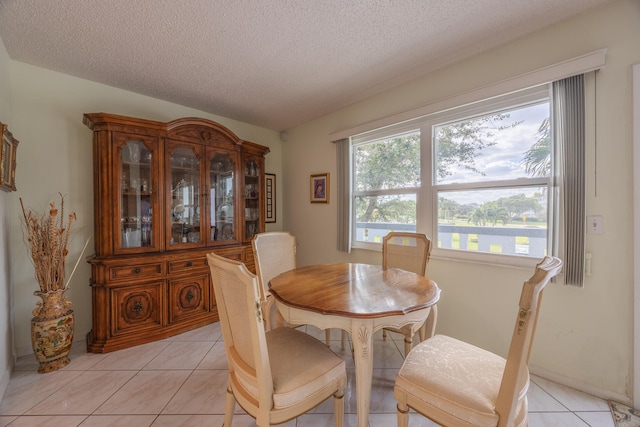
(6,203)
(55,155)
(584,336)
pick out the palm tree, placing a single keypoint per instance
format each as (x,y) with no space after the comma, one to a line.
(478,216)
(537,159)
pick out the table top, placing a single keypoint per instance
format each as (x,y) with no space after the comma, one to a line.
(354,290)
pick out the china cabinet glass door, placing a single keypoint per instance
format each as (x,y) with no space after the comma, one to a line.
(184,196)
(251,197)
(222,197)
(137,229)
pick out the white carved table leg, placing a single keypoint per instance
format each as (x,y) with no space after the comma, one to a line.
(362,336)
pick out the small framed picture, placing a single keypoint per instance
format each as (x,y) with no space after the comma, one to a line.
(270,197)
(320,188)
(7,160)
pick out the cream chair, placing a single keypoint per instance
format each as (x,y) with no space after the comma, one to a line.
(277,375)
(409,251)
(456,384)
(274,253)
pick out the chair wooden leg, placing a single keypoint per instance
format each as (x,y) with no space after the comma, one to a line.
(279,320)
(327,336)
(384,334)
(429,328)
(269,314)
(229,408)
(403,415)
(343,339)
(338,408)
(422,332)
(408,344)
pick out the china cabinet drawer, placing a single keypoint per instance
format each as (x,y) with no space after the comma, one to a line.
(136,271)
(187,265)
(231,253)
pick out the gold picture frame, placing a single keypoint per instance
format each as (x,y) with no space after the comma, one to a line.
(8,160)
(320,188)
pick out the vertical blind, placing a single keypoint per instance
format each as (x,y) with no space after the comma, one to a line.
(343,164)
(569,133)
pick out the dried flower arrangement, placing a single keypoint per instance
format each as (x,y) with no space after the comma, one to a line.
(48,241)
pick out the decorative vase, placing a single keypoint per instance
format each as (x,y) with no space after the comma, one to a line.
(52,330)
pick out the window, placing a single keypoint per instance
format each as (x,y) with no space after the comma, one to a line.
(476,179)
(565,185)
(491,180)
(386,180)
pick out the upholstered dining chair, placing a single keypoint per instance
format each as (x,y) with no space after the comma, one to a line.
(409,251)
(456,384)
(274,253)
(274,375)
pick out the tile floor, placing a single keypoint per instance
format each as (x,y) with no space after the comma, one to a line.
(181,382)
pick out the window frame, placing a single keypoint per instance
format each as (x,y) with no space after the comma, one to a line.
(427,193)
(368,138)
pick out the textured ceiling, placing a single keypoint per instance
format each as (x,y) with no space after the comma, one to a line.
(272,63)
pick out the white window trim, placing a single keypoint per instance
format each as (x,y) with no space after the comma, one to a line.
(578,65)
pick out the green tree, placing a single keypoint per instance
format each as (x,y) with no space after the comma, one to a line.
(489,213)
(478,216)
(448,209)
(458,144)
(537,159)
(395,163)
(496,213)
(520,204)
(382,165)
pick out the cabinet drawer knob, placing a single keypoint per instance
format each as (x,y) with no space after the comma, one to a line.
(189,264)
(137,307)
(136,270)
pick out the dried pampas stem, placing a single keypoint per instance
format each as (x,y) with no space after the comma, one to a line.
(66,286)
(47,240)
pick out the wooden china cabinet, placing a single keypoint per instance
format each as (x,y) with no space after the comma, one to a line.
(165,195)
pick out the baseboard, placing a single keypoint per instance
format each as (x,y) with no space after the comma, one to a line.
(579,385)
(77,346)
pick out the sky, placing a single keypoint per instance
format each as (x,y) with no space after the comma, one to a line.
(502,161)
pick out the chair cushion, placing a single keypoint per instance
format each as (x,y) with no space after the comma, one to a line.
(455,377)
(300,365)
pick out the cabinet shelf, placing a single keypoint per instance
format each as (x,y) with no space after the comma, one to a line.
(188,170)
(137,193)
(144,164)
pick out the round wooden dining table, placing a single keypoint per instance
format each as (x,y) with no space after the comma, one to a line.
(358,298)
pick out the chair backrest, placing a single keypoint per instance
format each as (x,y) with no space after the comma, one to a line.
(408,251)
(274,253)
(238,301)
(516,373)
